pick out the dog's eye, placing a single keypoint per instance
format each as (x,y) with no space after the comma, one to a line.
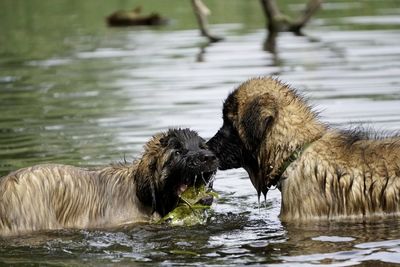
(180,152)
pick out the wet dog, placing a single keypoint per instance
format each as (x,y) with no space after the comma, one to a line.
(322,172)
(51,196)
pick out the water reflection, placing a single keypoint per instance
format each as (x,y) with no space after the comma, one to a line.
(92,95)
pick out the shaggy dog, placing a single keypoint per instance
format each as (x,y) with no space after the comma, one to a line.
(322,172)
(53,196)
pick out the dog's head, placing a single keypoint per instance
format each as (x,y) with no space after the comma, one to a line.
(262,125)
(173,161)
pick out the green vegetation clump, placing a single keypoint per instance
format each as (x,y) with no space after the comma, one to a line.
(189,211)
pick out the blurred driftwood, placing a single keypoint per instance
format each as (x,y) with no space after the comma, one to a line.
(134,18)
(279,22)
(202,11)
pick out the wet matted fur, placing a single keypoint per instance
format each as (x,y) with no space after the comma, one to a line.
(322,172)
(53,196)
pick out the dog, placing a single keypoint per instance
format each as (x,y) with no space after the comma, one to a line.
(51,196)
(322,172)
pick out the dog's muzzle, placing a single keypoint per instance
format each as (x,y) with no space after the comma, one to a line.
(202,160)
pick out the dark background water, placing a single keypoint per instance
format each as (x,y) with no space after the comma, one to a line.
(74,91)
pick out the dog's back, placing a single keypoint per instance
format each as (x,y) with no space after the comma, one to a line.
(344,175)
(61,196)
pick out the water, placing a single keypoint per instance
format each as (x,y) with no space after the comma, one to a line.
(73,91)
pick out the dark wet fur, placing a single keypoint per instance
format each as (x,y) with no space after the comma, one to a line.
(189,162)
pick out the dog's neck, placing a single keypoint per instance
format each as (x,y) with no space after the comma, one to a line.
(280,154)
(294,156)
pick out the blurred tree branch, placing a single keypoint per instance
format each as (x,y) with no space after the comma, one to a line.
(277,21)
(202,11)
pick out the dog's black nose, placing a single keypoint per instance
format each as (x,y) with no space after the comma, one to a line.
(207,157)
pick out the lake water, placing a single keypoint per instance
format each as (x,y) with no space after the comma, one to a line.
(73,91)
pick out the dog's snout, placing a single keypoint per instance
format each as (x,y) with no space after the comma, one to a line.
(202,158)
(207,157)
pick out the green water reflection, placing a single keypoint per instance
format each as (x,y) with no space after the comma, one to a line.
(41,29)
(74,91)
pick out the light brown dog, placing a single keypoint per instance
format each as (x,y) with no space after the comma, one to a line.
(322,172)
(52,196)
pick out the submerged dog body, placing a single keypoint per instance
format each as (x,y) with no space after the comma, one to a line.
(54,196)
(60,196)
(322,172)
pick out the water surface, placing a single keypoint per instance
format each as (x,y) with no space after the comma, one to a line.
(73,91)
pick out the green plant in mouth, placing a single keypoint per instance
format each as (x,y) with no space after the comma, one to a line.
(190,211)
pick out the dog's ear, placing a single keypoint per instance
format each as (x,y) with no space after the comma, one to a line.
(164,141)
(258,115)
(170,140)
(146,187)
